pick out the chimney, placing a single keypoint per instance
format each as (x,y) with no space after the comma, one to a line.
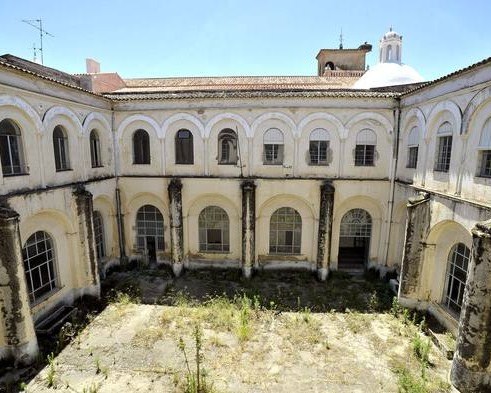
(93,67)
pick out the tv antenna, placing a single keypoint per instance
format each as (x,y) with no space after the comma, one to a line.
(341,39)
(38,25)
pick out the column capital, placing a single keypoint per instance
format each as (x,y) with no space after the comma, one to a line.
(8,214)
(327,187)
(175,185)
(248,185)
(482,229)
(420,198)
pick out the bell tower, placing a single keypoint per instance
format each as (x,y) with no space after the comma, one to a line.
(391,48)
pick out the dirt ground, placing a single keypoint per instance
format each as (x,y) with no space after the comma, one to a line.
(278,332)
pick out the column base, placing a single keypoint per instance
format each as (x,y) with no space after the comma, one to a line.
(26,354)
(177,269)
(322,274)
(468,381)
(247,272)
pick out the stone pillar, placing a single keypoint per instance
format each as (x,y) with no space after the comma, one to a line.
(417,228)
(17,336)
(176,230)
(248,226)
(326,210)
(120,222)
(471,366)
(85,215)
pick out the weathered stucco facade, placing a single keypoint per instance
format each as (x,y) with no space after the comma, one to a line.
(97,210)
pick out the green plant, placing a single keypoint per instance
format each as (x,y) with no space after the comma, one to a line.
(409,383)
(196,380)
(421,349)
(244,329)
(51,374)
(94,388)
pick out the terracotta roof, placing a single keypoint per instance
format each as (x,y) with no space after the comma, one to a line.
(39,71)
(448,76)
(236,83)
(277,93)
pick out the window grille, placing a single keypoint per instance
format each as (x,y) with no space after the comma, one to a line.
(413,145)
(273,147)
(11,152)
(95,149)
(184,147)
(285,232)
(149,224)
(485,150)
(213,224)
(100,244)
(366,140)
(356,223)
(39,266)
(61,152)
(141,148)
(444,154)
(457,265)
(319,147)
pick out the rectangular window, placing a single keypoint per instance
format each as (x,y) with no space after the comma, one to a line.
(364,155)
(318,152)
(273,154)
(444,153)
(412,157)
(485,170)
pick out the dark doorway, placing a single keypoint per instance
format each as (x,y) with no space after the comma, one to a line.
(151,250)
(354,240)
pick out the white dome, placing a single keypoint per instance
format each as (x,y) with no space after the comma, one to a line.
(388,74)
(391,34)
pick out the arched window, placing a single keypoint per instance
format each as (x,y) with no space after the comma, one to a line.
(285,231)
(213,226)
(389,53)
(184,147)
(457,265)
(100,244)
(11,152)
(319,147)
(356,223)
(141,147)
(149,230)
(329,66)
(444,147)
(398,54)
(227,147)
(273,147)
(60,147)
(40,266)
(366,140)
(412,148)
(484,147)
(95,149)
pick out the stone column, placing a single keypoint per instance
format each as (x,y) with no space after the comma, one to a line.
(176,230)
(326,210)
(17,336)
(248,226)
(417,228)
(120,221)
(471,366)
(85,215)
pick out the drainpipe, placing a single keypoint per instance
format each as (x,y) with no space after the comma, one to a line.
(119,215)
(392,175)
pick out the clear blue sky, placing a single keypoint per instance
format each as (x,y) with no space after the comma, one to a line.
(149,38)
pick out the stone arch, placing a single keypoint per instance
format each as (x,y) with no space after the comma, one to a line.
(94,116)
(481,97)
(414,113)
(48,219)
(204,200)
(25,108)
(286,200)
(142,118)
(444,226)
(277,116)
(370,117)
(436,113)
(57,111)
(321,116)
(225,116)
(183,116)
